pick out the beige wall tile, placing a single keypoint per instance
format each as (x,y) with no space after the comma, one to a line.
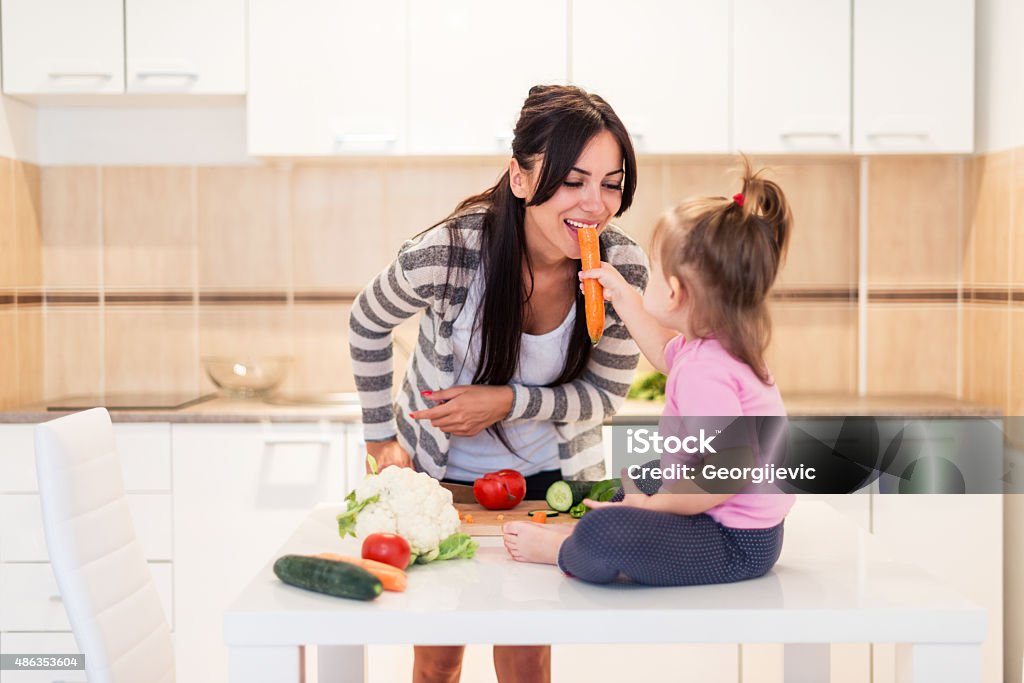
(148,235)
(8,357)
(1017,227)
(30,354)
(72,235)
(338,226)
(27,223)
(912,349)
(823,196)
(987,219)
(150,350)
(73,357)
(648,203)
(322,361)
(1016,370)
(987,368)
(8,239)
(244,331)
(418,194)
(243,227)
(813,347)
(913,218)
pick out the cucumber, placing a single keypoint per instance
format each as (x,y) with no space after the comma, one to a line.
(562,495)
(339,579)
(546,513)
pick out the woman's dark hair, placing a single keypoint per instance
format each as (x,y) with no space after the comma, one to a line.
(553,128)
(726,253)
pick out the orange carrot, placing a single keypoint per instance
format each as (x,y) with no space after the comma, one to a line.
(392,578)
(542,518)
(468,519)
(593,293)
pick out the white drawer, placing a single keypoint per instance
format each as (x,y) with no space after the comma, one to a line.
(22,538)
(30,600)
(40,644)
(17,459)
(144,449)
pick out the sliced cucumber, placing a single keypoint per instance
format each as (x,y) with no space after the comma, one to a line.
(562,495)
(546,513)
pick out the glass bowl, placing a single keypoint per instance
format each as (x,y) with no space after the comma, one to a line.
(246,377)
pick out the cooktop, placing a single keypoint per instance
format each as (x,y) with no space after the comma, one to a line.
(128,401)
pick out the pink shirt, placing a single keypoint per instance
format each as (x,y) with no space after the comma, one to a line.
(706,380)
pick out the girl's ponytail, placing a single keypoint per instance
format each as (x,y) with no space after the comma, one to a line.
(765,206)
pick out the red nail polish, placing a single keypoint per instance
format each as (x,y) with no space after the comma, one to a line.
(426,393)
(412,416)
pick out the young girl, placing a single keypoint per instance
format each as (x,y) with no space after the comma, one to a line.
(704,322)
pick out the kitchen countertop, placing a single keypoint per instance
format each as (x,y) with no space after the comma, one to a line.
(226,410)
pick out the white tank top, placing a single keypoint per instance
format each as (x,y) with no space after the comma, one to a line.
(541,360)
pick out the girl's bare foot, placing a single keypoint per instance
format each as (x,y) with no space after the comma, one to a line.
(532,542)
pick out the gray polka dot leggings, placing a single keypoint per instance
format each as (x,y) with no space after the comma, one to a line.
(664,549)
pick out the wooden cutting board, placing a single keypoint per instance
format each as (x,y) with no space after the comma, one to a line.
(486,522)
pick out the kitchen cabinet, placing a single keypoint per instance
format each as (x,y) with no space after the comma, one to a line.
(668,80)
(240,491)
(913,76)
(62,46)
(791,76)
(470,70)
(185,46)
(92,46)
(329,80)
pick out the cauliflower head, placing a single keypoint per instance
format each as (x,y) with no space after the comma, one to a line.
(401,501)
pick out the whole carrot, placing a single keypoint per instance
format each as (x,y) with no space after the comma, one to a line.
(593,293)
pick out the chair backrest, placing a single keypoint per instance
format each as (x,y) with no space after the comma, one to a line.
(107,588)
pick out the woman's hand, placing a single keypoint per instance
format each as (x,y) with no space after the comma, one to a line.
(466,410)
(387,453)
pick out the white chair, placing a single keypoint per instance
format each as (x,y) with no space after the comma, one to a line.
(106,586)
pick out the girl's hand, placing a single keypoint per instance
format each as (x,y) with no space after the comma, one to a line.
(387,453)
(466,410)
(615,286)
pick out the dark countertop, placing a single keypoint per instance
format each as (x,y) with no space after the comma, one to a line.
(225,410)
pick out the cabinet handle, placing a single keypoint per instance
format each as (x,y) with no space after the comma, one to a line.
(916,135)
(102,75)
(381,139)
(56,598)
(191,75)
(298,440)
(810,134)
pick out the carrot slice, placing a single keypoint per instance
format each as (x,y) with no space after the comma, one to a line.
(593,292)
(540,519)
(392,578)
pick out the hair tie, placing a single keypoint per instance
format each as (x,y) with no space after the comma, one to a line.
(738,198)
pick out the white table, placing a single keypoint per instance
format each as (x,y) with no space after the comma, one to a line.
(833,583)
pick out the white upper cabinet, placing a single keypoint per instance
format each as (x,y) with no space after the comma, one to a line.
(329,79)
(62,46)
(663,66)
(791,76)
(186,46)
(471,65)
(913,76)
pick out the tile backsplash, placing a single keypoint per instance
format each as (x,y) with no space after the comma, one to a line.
(21,316)
(148,269)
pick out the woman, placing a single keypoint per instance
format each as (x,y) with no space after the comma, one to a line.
(504,374)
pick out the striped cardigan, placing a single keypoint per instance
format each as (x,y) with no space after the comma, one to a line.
(415,282)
